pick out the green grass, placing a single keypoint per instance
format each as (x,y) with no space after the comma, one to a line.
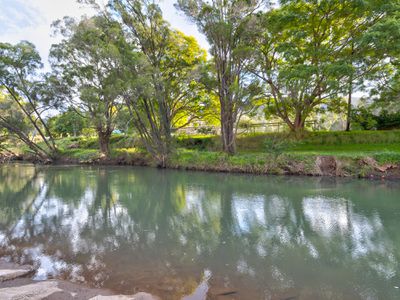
(381,152)
(349,148)
(377,140)
(255,163)
(81,154)
(314,140)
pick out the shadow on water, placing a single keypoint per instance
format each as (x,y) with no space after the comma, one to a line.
(185,235)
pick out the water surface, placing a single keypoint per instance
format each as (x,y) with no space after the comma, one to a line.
(203,236)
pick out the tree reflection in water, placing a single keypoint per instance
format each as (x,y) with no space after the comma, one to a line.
(133,229)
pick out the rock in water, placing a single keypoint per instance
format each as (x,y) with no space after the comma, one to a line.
(138,296)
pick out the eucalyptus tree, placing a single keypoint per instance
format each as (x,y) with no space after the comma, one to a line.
(67,123)
(4,137)
(387,93)
(86,66)
(309,54)
(383,40)
(360,19)
(163,69)
(13,123)
(227,24)
(27,98)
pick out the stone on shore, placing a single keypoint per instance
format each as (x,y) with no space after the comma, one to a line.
(12,274)
(14,287)
(35,291)
(10,271)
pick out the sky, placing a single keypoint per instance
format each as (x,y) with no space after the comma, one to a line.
(31,19)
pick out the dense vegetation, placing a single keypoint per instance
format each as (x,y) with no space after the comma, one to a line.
(124,82)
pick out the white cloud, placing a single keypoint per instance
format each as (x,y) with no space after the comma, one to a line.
(31,20)
(180,22)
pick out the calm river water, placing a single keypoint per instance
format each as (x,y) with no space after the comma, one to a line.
(187,235)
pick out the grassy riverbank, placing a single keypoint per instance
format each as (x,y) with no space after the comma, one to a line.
(358,153)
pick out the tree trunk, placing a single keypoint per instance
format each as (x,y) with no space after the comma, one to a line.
(298,124)
(228,129)
(104,141)
(349,99)
(39,151)
(349,105)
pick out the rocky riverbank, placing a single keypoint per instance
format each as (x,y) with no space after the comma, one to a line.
(16,284)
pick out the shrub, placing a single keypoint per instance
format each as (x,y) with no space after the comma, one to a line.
(277,145)
(363,118)
(206,130)
(199,143)
(387,121)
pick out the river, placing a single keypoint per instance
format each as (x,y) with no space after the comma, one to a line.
(194,235)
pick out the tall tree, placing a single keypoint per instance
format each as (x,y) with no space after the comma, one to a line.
(163,67)
(27,94)
(309,54)
(383,40)
(86,63)
(226,24)
(359,19)
(67,123)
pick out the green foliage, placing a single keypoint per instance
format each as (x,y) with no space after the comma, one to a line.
(116,140)
(11,115)
(384,157)
(82,154)
(162,71)
(199,143)
(387,121)
(206,130)
(69,123)
(86,66)
(123,121)
(310,53)
(363,119)
(227,26)
(277,145)
(354,137)
(26,94)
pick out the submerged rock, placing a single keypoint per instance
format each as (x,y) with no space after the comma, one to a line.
(138,296)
